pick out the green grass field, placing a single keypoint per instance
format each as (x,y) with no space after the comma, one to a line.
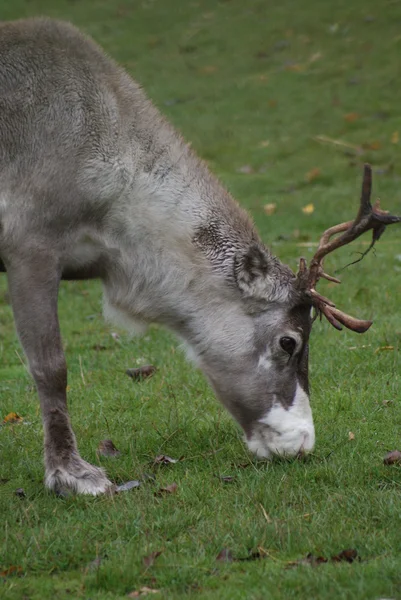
(253,85)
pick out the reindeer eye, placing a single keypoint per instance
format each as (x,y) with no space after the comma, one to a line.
(288,344)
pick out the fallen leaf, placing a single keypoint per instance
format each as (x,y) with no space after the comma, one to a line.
(295,67)
(141,372)
(226,478)
(169,489)
(316,56)
(270,209)
(272,103)
(94,564)
(383,349)
(12,570)
(351,117)
(129,485)
(20,492)
(256,555)
(12,417)
(225,555)
(264,143)
(392,458)
(149,560)
(163,459)
(312,174)
(107,448)
(376,145)
(144,591)
(348,555)
(351,436)
(395,137)
(308,209)
(246,169)
(208,69)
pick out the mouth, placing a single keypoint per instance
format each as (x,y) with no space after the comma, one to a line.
(266,442)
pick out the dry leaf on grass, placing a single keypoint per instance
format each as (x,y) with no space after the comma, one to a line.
(144,591)
(208,69)
(316,56)
(141,372)
(351,436)
(395,138)
(246,169)
(12,570)
(12,417)
(225,555)
(94,564)
(349,555)
(163,459)
(226,478)
(149,560)
(125,487)
(383,349)
(392,458)
(169,489)
(308,209)
(312,175)
(270,209)
(295,67)
(376,145)
(351,117)
(107,448)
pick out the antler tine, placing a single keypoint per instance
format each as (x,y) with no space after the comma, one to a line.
(368,217)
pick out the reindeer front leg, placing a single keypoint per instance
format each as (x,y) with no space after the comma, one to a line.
(33,282)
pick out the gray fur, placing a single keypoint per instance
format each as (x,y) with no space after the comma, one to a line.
(95,183)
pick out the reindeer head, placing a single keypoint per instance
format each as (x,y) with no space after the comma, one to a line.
(262,375)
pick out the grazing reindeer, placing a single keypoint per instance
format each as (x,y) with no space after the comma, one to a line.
(95,184)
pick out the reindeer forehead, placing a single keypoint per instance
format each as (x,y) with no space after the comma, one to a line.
(283,319)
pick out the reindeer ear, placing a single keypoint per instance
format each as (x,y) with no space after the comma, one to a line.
(250,267)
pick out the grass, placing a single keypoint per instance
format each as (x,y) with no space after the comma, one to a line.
(251,84)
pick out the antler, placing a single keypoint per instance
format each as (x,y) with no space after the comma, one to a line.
(368,217)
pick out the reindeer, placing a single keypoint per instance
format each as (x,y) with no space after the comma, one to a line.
(94,183)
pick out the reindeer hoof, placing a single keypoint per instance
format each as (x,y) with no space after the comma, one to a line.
(77,477)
